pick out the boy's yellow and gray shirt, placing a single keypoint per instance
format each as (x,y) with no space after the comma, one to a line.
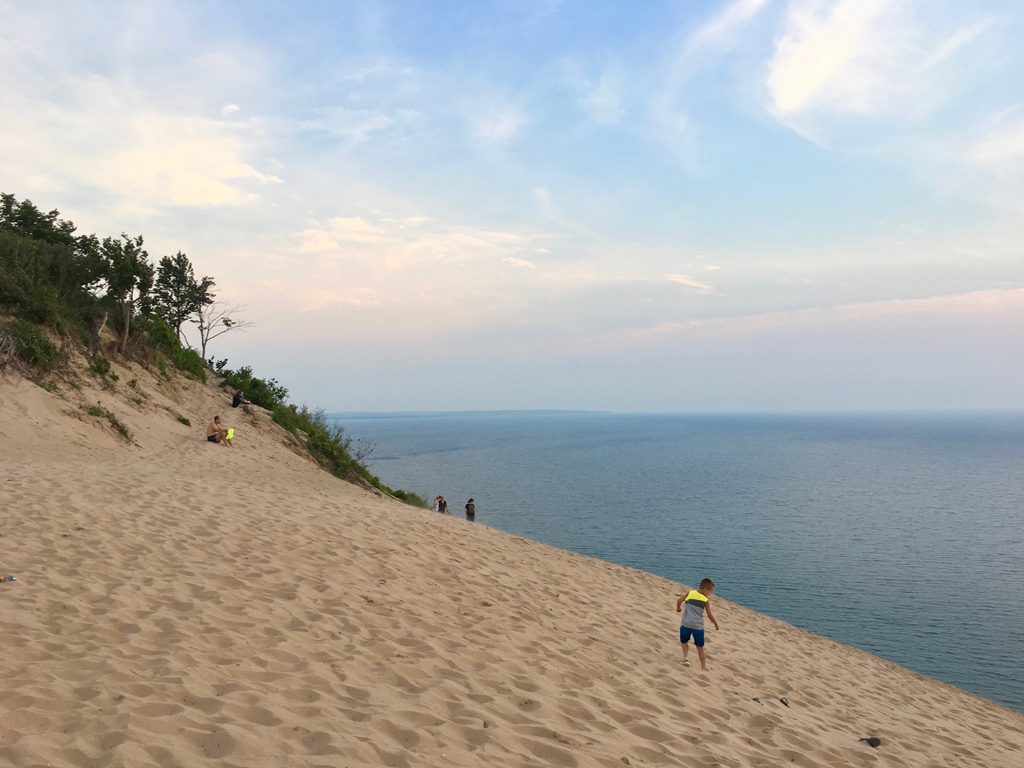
(693,613)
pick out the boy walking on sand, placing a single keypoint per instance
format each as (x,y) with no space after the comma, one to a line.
(697,603)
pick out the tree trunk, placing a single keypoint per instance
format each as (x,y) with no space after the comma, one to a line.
(127,323)
(203,335)
(98,333)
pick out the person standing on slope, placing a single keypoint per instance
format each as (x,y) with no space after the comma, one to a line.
(697,604)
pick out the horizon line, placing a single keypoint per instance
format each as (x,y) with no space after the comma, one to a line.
(710,412)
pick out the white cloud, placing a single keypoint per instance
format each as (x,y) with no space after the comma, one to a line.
(865,57)
(336,232)
(543,196)
(994,304)
(76,121)
(415,280)
(689,282)
(383,244)
(181,161)
(377,72)
(146,159)
(833,55)
(353,296)
(423,277)
(719,32)
(1001,148)
(670,122)
(990,167)
(355,125)
(499,124)
(604,100)
(953,43)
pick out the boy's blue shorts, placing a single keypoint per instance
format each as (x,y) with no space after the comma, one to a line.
(698,636)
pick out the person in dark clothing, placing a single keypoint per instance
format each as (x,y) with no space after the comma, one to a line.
(239,399)
(442,505)
(471,510)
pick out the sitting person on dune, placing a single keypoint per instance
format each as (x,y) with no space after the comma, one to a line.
(239,399)
(216,433)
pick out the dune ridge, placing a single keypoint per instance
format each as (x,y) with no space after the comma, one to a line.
(180,603)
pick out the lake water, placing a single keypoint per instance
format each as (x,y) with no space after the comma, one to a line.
(900,534)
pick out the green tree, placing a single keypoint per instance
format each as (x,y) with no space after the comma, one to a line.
(47,272)
(177,295)
(28,221)
(129,277)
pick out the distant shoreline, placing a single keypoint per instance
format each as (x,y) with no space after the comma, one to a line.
(353,415)
(929,412)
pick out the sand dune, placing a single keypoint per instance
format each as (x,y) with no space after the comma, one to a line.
(182,604)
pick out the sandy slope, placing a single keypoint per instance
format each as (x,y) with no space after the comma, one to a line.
(183,604)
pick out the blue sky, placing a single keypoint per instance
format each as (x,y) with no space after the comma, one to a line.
(689,205)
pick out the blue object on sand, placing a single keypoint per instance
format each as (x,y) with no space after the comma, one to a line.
(9,578)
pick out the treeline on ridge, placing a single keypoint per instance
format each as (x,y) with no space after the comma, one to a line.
(55,282)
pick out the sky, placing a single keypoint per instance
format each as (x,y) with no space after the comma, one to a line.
(673,205)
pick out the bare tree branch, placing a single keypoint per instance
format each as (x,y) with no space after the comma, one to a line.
(215,319)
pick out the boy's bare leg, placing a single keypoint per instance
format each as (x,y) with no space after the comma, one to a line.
(686,650)
(700,655)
